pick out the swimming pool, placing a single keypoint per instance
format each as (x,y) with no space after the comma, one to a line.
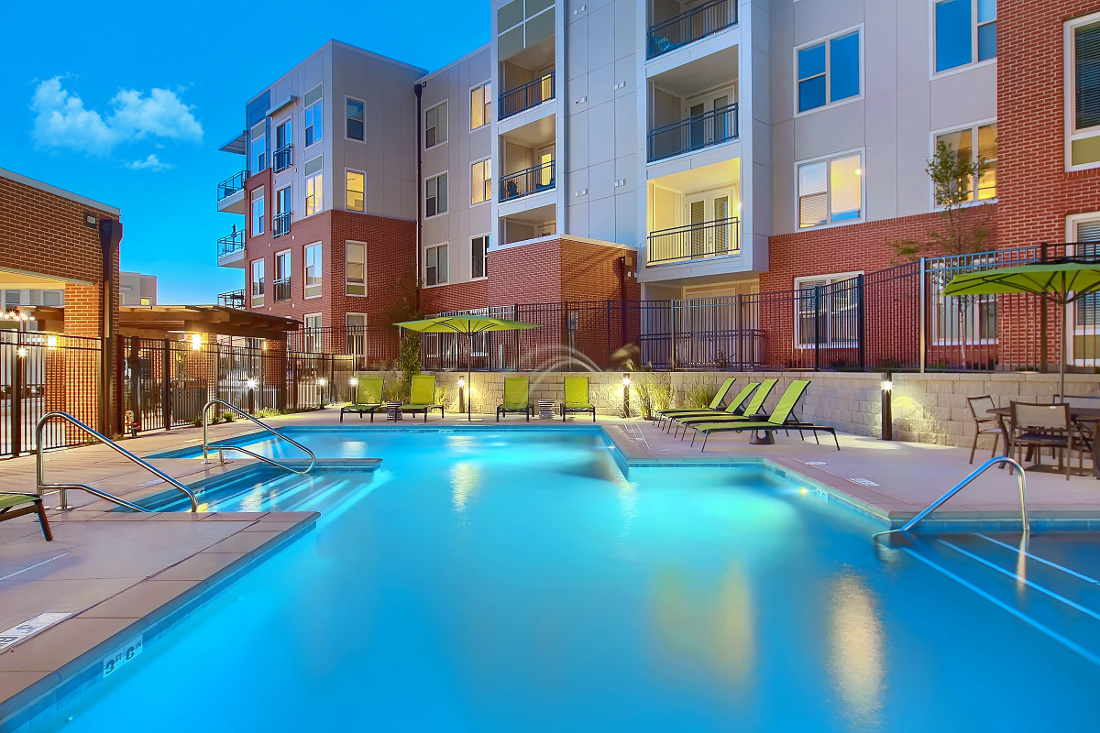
(507,580)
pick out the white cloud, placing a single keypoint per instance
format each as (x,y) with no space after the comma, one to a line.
(62,121)
(151,163)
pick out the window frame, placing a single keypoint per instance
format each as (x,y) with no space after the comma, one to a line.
(347,119)
(265,158)
(484,256)
(256,299)
(363,192)
(437,247)
(486,185)
(318,196)
(828,68)
(317,249)
(360,339)
(829,279)
(486,104)
(350,283)
(447,128)
(1070,85)
(312,335)
(974,63)
(447,196)
(974,128)
(256,224)
(319,130)
(1073,221)
(829,223)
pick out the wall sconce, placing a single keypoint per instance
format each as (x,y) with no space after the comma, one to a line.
(886,387)
(51,342)
(196,341)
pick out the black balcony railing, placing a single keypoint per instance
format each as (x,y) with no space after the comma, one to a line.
(282,158)
(231,243)
(232,299)
(529,95)
(231,185)
(530,180)
(282,289)
(690,26)
(694,133)
(280,224)
(695,241)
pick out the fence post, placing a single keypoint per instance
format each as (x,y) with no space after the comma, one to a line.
(515,335)
(166,388)
(740,332)
(332,378)
(672,334)
(817,328)
(565,328)
(608,352)
(922,340)
(135,381)
(1043,320)
(861,324)
(17,395)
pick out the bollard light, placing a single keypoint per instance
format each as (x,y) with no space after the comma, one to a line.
(51,342)
(321,381)
(251,384)
(21,351)
(887,387)
(461,382)
(353,382)
(626,380)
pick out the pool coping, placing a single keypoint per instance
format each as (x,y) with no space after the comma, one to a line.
(269,534)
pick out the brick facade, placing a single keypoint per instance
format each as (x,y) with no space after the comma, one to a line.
(561,269)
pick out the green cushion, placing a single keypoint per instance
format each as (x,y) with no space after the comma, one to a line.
(364,408)
(757,402)
(516,392)
(576,391)
(514,406)
(7,501)
(578,406)
(417,407)
(790,398)
(423,390)
(735,425)
(369,391)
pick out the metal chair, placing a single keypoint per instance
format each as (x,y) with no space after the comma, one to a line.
(979,408)
(1045,426)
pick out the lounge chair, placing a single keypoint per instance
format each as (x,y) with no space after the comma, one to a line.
(714,405)
(781,419)
(422,396)
(517,397)
(14,505)
(368,397)
(576,397)
(753,411)
(735,407)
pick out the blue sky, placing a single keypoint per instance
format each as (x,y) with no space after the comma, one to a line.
(129,105)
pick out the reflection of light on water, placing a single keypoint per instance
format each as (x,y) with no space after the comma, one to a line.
(464,481)
(254,500)
(735,626)
(1021,567)
(856,640)
(203,507)
(628,500)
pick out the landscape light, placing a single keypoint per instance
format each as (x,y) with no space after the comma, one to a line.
(887,385)
(22,351)
(626,380)
(353,382)
(461,382)
(251,384)
(321,381)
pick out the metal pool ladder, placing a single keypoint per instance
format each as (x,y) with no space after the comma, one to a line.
(221,448)
(963,484)
(64,488)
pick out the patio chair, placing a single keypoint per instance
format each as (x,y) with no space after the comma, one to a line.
(577,398)
(1087,401)
(422,396)
(368,397)
(979,409)
(13,504)
(736,406)
(782,418)
(1045,426)
(753,410)
(517,397)
(714,405)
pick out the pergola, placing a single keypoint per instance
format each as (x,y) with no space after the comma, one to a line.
(160,321)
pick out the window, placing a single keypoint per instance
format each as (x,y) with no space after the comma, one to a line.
(828,71)
(435,126)
(435,195)
(479,257)
(830,191)
(313,332)
(828,311)
(258,212)
(282,276)
(258,148)
(313,262)
(354,191)
(355,270)
(315,116)
(968,319)
(481,181)
(964,30)
(962,142)
(355,119)
(315,201)
(355,324)
(280,223)
(481,106)
(435,265)
(146,301)
(1082,39)
(257,286)
(1086,310)
(281,157)
(284,134)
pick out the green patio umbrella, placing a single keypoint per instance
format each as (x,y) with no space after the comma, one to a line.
(1064,281)
(469,325)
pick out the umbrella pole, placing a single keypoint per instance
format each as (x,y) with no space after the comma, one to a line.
(469,384)
(1062,365)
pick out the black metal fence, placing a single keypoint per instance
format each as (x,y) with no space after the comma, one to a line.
(282,158)
(527,181)
(526,96)
(366,346)
(698,131)
(231,243)
(691,25)
(695,241)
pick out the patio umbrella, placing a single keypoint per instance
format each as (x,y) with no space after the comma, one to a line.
(469,325)
(1064,281)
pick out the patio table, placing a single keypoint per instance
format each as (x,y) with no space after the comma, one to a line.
(1077,414)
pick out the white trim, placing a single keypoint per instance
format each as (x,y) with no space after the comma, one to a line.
(829,224)
(305,108)
(424,140)
(437,213)
(91,203)
(492,104)
(489,169)
(974,63)
(446,244)
(1069,84)
(366,290)
(364,191)
(305,269)
(488,243)
(829,280)
(364,103)
(973,127)
(1072,222)
(828,68)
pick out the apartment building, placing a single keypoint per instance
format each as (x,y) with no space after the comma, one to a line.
(137,289)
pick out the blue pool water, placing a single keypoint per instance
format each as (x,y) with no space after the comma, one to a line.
(517,581)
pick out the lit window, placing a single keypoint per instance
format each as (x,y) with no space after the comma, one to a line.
(355,268)
(435,265)
(481,182)
(259,147)
(314,172)
(312,258)
(479,257)
(481,106)
(258,212)
(828,72)
(830,191)
(962,143)
(1083,94)
(964,30)
(355,119)
(435,195)
(315,117)
(354,191)
(435,126)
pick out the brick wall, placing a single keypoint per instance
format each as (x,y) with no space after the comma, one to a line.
(557,270)
(460,296)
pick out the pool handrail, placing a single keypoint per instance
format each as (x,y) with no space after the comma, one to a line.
(206,447)
(63,489)
(1021,479)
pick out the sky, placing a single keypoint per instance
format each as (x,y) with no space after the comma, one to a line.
(128,104)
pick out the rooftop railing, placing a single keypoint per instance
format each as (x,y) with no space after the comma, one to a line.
(231,243)
(691,25)
(232,299)
(531,180)
(694,133)
(695,241)
(231,185)
(526,96)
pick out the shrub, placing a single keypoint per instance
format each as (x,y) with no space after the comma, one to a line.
(699,394)
(409,363)
(654,393)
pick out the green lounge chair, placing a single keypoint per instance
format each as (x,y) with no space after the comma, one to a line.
(422,396)
(781,419)
(735,407)
(576,397)
(14,505)
(714,405)
(752,410)
(368,397)
(517,397)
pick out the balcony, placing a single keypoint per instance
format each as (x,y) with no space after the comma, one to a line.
(231,193)
(231,249)
(695,241)
(531,180)
(526,96)
(282,289)
(694,133)
(282,158)
(232,299)
(690,26)
(280,224)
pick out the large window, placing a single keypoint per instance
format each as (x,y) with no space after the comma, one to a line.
(280,222)
(1083,92)
(435,265)
(257,283)
(965,31)
(435,195)
(479,256)
(481,106)
(282,157)
(355,268)
(828,71)
(435,125)
(962,143)
(830,191)
(355,119)
(258,156)
(314,172)
(258,211)
(828,311)
(481,181)
(282,276)
(315,116)
(312,259)
(354,191)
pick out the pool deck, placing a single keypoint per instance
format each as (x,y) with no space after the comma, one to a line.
(119,575)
